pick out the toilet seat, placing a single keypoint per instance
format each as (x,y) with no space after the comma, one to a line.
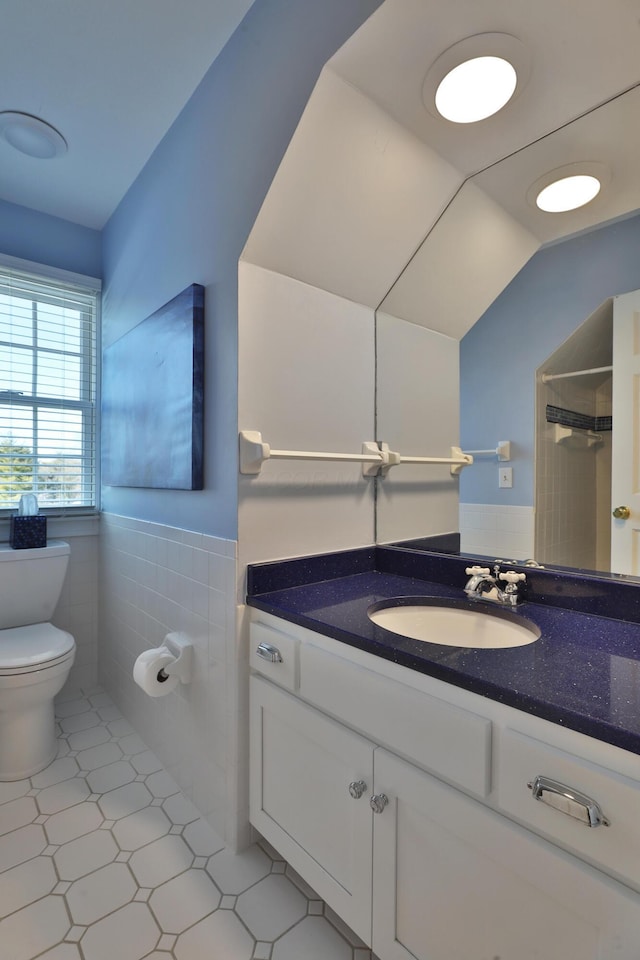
(33,647)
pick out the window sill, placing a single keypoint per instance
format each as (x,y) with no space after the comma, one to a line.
(61,527)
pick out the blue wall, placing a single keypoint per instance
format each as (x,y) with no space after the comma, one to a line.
(44,239)
(551,296)
(187,217)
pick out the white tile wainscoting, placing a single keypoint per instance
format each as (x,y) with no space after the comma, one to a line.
(77,609)
(495,530)
(157,579)
(101,856)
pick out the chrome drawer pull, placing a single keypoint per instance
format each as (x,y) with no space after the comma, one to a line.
(357,788)
(378,802)
(566,800)
(268,652)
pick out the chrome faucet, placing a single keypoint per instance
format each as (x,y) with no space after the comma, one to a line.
(483,585)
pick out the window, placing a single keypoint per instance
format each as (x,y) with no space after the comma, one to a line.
(47,388)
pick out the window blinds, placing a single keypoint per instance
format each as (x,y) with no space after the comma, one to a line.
(47,390)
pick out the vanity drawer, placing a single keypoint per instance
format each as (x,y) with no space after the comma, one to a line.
(266,645)
(449,741)
(614,848)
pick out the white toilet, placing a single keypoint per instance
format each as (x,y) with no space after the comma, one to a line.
(35,656)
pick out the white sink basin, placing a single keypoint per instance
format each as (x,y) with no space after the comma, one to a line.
(453,623)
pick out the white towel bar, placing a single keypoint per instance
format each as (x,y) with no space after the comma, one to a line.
(502,451)
(375,458)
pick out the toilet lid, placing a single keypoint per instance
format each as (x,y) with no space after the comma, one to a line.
(33,646)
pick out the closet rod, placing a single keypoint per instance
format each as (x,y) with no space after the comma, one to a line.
(546,377)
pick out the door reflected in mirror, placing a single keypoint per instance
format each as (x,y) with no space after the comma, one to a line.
(574,453)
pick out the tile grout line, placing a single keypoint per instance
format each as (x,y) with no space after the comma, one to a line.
(56,797)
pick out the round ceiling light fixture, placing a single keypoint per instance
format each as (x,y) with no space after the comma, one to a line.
(476,77)
(568,188)
(476,89)
(568,193)
(31,135)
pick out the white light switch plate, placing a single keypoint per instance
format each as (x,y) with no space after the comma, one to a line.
(505,476)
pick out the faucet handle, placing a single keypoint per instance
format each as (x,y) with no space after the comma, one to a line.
(512,577)
(475,571)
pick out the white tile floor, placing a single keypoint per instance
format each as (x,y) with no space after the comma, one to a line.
(102,858)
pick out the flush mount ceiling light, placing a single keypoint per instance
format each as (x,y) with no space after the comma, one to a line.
(476,89)
(31,135)
(568,188)
(476,77)
(568,193)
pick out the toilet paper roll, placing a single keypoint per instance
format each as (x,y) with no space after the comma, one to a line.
(147,668)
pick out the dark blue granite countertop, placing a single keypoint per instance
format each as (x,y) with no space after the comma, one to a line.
(583,672)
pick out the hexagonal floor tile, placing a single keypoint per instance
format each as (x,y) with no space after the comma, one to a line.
(161,784)
(63,748)
(98,894)
(100,699)
(202,839)
(128,934)
(10,790)
(29,932)
(108,778)
(17,813)
(314,939)
(21,845)
(120,728)
(108,712)
(25,884)
(86,854)
(73,822)
(61,769)
(62,795)
(69,708)
(234,873)
(125,800)
(99,756)
(160,861)
(222,929)
(184,900)
(88,738)
(81,721)
(132,744)
(64,951)
(146,762)
(271,907)
(140,828)
(180,810)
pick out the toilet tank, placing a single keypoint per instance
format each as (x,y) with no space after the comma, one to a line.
(31,583)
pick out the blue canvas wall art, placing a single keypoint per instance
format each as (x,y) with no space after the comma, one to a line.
(153,397)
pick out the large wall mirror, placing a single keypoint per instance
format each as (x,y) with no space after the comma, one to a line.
(505,377)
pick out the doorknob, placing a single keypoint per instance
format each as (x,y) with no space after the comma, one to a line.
(622,513)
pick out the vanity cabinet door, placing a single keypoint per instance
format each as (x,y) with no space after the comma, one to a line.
(303,765)
(452,880)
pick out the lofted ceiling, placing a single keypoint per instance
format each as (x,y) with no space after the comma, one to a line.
(111,77)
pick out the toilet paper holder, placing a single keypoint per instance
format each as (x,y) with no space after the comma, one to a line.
(182,649)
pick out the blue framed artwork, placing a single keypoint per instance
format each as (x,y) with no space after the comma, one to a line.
(153,399)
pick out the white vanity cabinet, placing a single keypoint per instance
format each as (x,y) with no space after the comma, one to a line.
(453,880)
(441,871)
(311,779)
